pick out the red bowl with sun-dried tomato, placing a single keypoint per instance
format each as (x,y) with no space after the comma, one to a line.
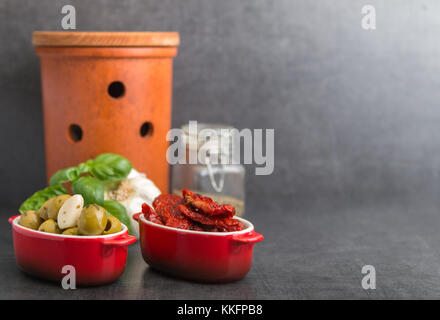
(198,255)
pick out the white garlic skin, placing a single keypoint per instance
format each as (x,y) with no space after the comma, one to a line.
(143,191)
(70,211)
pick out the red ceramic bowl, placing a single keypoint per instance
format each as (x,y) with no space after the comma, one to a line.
(97,259)
(197,255)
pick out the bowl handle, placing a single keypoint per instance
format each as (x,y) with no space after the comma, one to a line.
(136,216)
(13,218)
(252,237)
(126,241)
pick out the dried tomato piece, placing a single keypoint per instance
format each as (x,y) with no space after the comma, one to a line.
(166,200)
(180,223)
(167,208)
(206,228)
(238,227)
(207,205)
(223,222)
(197,227)
(147,210)
(150,214)
(193,212)
(154,218)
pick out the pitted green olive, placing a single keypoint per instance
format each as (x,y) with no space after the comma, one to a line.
(49,226)
(49,210)
(30,219)
(92,221)
(71,231)
(113,225)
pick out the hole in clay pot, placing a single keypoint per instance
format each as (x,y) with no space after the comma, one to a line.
(146,129)
(75,132)
(116,89)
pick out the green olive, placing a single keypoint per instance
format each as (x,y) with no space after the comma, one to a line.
(71,231)
(30,219)
(49,210)
(92,221)
(113,225)
(49,226)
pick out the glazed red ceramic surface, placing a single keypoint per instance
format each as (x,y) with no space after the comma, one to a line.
(197,255)
(97,259)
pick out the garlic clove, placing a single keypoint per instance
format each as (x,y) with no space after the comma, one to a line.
(146,189)
(134,206)
(70,211)
(132,192)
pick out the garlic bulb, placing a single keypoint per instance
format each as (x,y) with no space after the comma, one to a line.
(132,192)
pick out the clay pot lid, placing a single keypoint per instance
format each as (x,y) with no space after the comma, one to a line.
(105,39)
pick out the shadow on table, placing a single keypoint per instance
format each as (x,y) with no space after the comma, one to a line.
(153,272)
(38,281)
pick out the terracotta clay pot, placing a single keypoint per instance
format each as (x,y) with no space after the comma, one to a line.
(107,92)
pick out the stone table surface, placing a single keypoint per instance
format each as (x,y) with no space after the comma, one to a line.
(313,251)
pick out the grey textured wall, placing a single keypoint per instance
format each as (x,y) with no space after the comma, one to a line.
(356,113)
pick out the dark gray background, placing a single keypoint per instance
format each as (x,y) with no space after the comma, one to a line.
(356,117)
(355,113)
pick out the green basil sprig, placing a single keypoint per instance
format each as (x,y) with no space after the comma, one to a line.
(105,167)
(110,167)
(40,197)
(91,189)
(89,178)
(117,210)
(70,174)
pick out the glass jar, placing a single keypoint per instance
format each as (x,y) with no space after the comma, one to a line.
(222,181)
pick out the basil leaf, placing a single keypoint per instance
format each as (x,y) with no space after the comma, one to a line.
(40,197)
(70,174)
(117,210)
(84,167)
(64,175)
(91,189)
(110,167)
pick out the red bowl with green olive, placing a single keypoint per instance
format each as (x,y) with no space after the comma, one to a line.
(97,259)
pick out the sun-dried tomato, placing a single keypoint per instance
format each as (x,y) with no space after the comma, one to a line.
(207,205)
(166,207)
(150,214)
(223,222)
(197,227)
(195,212)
